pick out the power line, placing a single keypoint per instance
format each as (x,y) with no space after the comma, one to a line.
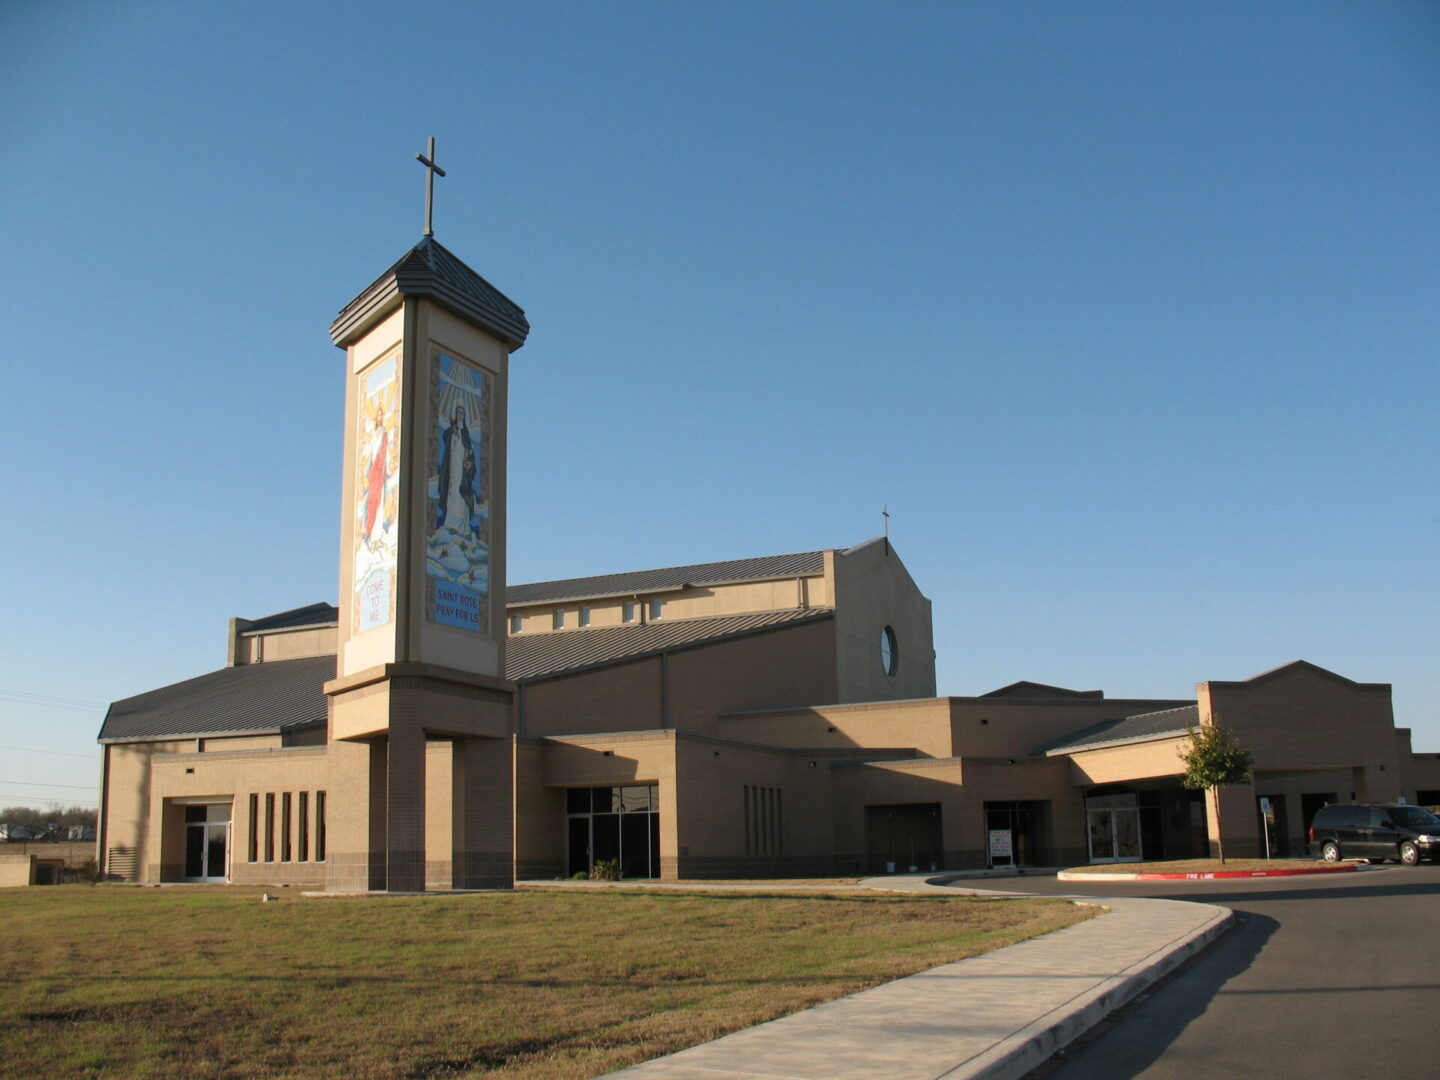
(32,783)
(34,750)
(25,697)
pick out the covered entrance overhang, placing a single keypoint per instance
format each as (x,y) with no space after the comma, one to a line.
(1145,820)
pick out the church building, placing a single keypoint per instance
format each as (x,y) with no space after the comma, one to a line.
(440,729)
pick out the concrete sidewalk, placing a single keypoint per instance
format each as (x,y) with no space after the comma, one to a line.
(995,1016)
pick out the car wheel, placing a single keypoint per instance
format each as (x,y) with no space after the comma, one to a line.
(1409,853)
(1330,852)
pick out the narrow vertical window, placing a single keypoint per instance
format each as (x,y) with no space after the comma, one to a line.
(514,624)
(254,838)
(779,823)
(303,828)
(285,827)
(584,616)
(749,821)
(319,826)
(657,609)
(557,620)
(269,827)
(629,611)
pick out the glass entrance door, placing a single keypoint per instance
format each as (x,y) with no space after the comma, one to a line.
(207,842)
(1113,825)
(619,825)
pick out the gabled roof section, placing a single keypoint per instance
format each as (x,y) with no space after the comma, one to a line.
(1130,729)
(321,614)
(1026,689)
(546,655)
(669,579)
(431,270)
(284,695)
(1296,666)
(251,699)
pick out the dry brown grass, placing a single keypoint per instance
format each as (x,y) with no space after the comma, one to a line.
(207,982)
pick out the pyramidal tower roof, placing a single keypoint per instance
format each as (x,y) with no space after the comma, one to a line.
(430,270)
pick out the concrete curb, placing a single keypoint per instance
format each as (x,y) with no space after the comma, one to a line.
(1207,875)
(1035,1043)
(996,1016)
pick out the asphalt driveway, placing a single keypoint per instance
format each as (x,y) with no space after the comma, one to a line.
(1330,977)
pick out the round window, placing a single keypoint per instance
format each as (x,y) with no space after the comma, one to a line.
(889,651)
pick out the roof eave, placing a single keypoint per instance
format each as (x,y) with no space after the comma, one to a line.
(1066,751)
(385,295)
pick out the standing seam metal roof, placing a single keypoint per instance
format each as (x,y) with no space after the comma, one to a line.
(283,695)
(768,567)
(1136,728)
(429,269)
(276,696)
(544,655)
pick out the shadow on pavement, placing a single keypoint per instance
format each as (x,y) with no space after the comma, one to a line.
(1122,1049)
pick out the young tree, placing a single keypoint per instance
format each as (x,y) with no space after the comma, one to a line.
(1215,759)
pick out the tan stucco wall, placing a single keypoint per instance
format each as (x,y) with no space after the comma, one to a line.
(1303,719)
(791,665)
(126,813)
(545,768)
(1129,762)
(711,777)
(691,603)
(234,777)
(143,776)
(923,724)
(1012,727)
(874,590)
(689,688)
(16,870)
(622,697)
(1422,773)
(296,644)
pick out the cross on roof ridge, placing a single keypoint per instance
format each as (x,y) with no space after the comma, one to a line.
(428,160)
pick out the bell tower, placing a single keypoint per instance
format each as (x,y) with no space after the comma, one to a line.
(421,718)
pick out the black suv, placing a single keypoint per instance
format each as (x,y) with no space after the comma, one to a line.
(1362,831)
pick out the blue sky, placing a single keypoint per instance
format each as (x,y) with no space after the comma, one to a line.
(1126,310)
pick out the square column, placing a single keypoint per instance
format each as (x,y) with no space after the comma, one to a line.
(482,823)
(388,812)
(405,810)
(355,829)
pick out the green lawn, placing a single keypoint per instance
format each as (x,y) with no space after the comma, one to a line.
(203,981)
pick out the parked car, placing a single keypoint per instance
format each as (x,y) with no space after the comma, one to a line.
(1375,832)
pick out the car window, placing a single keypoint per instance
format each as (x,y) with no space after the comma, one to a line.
(1378,817)
(1414,817)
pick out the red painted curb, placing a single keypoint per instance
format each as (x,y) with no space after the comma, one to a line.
(1216,875)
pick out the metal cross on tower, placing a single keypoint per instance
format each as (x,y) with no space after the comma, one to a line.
(428,160)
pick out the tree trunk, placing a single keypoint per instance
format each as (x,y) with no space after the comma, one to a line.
(1219,833)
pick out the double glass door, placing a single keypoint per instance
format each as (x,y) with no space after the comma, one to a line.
(207,842)
(1113,824)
